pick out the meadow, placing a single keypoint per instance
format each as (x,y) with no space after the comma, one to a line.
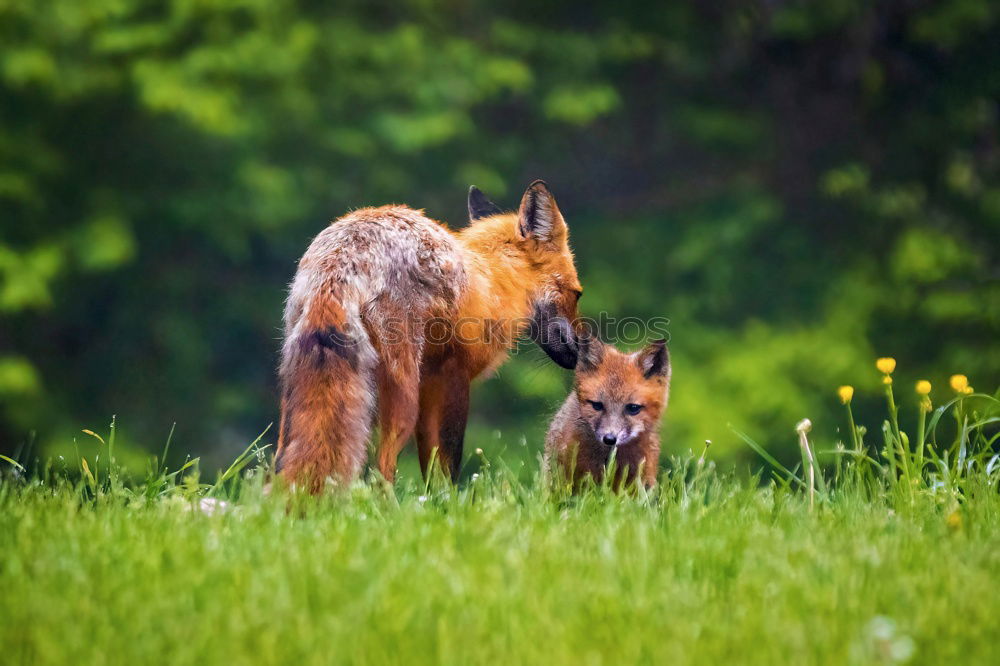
(798,187)
(864,554)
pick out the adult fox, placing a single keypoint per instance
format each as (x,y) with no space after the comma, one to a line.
(389,307)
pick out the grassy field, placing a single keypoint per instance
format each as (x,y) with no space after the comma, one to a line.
(872,559)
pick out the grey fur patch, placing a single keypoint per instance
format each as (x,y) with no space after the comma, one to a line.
(392,255)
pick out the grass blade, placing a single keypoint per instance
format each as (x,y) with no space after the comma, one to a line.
(767,456)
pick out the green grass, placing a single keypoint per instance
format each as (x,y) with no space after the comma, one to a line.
(862,566)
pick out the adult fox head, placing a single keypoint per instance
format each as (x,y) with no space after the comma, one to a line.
(622,396)
(536,241)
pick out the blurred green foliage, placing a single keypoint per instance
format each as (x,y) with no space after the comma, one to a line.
(799,186)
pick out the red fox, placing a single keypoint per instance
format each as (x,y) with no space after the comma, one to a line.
(616,405)
(391,309)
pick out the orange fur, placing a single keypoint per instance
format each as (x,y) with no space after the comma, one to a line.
(390,307)
(607,384)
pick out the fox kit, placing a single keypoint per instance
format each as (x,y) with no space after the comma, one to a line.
(391,310)
(615,406)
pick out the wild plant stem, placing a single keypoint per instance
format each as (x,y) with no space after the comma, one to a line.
(921,427)
(903,450)
(854,429)
(807,458)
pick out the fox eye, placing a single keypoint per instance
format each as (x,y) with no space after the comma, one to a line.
(632,409)
(577,293)
(598,406)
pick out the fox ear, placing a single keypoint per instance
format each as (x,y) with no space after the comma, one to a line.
(654,359)
(589,352)
(480,206)
(538,216)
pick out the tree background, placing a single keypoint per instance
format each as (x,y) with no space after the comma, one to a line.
(798,186)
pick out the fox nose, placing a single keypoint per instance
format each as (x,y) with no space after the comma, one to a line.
(609,440)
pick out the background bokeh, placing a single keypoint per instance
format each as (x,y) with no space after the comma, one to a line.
(798,186)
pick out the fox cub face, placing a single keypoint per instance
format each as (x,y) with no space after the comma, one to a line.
(538,232)
(622,396)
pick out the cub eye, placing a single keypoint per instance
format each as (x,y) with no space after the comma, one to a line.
(598,406)
(577,293)
(632,409)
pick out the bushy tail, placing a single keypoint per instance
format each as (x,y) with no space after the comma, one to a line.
(327,399)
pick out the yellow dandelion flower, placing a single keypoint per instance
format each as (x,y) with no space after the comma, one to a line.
(886,365)
(968,390)
(923,387)
(846,393)
(887,379)
(959,383)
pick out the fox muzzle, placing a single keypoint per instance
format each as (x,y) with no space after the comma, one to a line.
(555,335)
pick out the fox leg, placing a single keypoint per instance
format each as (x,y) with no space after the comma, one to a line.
(398,384)
(444,410)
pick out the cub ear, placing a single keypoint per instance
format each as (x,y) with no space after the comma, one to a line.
(538,216)
(589,352)
(654,360)
(480,206)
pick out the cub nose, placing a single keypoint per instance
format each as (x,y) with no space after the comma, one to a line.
(609,440)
